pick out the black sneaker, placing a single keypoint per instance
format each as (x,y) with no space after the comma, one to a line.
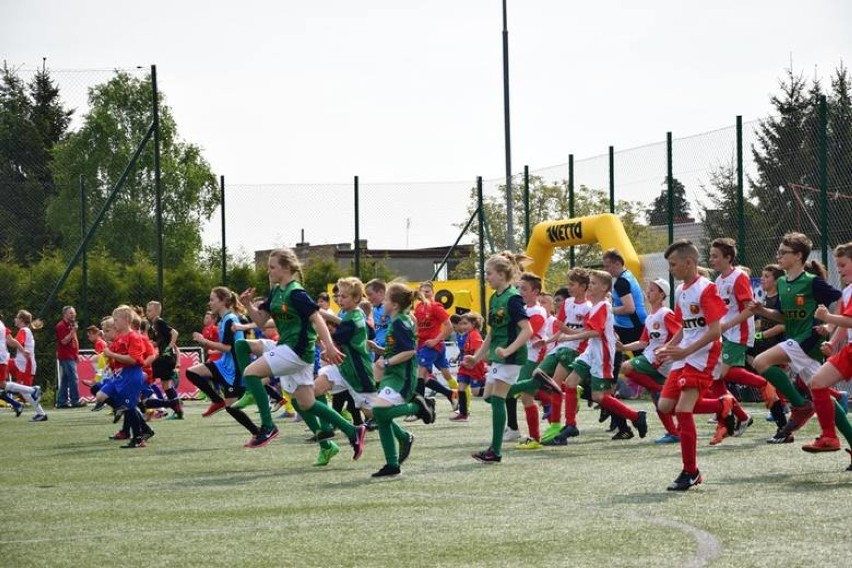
(623,434)
(487,456)
(782,436)
(604,415)
(684,481)
(405,448)
(265,436)
(357,441)
(848,451)
(387,472)
(569,431)
(99,405)
(119,414)
(557,440)
(641,423)
(18,411)
(134,443)
(545,382)
(147,435)
(425,408)
(39,418)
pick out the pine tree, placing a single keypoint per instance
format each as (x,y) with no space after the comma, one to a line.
(658,215)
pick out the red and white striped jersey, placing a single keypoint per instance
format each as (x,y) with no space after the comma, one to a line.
(600,350)
(697,305)
(735,290)
(25,363)
(846,302)
(573,315)
(538,318)
(660,327)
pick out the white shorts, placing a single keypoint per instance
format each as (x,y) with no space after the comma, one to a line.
(390,395)
(504,373)
(800,362)
(292,371)
(339,384)
(267,344)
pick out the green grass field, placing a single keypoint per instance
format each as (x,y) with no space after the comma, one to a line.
(196,497)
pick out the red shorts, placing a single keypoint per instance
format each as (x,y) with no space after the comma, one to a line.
(21,377)
(4,371)
(842,361)
(686,378)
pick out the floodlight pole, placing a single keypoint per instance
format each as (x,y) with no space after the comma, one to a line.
(510,225)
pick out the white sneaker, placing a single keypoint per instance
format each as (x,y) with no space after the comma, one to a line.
(510,435)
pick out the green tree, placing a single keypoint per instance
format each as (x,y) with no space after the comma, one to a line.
(659,213)
(318,273)
(119,116)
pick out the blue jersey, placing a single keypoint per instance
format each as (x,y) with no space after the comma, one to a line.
(381,320)
(226,364)
(626,284)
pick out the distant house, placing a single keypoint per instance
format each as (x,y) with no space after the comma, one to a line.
(412,264)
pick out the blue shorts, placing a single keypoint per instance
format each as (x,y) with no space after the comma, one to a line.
(429,357)
(126,386)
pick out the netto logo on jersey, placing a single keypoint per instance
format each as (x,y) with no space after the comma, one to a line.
(794,314)
(694,323)
(565,231)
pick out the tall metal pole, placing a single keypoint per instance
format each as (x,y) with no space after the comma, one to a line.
(823,176)
(510,225)
(157,181)
(84,296)
(612,179)
(740,195)
(670,192)
(571,257)
(481,262)
(526,205)
(224,246)
(357,232)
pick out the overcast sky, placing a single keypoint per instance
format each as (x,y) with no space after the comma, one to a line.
(402,91)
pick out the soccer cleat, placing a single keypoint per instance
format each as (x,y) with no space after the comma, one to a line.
(39,418)
(135,443)
(641,424)
(726,415)
(119,414)
(510,435)
(558,440)
(120,435)
(742,426)
(530,444)
(668,438)
(214,408)
(147,435)
(685,481)
(425,408)
(99,405)
(412,418)
(782,436)
(18,411)
(454,401)
(405,448)
(848,451)
(822,444)
(487,456)
(325,454)
(569,431)
(458,417)
(358,440)
(545,382)
(387,473)
(36,393)
(175,416)
(552,430)
(265,436)
(603,416)
(800,415)
(623,434)
(720,434)
(277,405)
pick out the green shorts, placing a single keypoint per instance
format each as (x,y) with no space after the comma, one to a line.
(641,365)
(563,356)
(586,378)
(527,370)
(733,354)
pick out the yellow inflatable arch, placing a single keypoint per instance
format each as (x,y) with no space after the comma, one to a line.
(605,229)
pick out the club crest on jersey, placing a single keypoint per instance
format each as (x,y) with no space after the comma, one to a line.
(694,309)
(283,308)
(580,317)
(656,325)
(499,315)
(800,300)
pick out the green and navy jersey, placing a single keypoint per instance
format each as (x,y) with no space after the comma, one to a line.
(351,337)
(401,337)
(291,309)
(505,311)
(798,301)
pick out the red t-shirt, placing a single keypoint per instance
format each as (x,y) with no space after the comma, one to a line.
(100,345)
(472,343)
(430,318)
(70,350)
(131,343)
(211,333)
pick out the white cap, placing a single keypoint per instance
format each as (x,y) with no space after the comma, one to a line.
(663,285)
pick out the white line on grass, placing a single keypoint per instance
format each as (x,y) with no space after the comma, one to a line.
(709,547)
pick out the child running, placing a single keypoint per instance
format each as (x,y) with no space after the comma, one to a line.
(23,367)
(504,345)
(31,394)
(470,325)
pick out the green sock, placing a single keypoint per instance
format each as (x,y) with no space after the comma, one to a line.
(321,410)
(498,422)
(312,422)
(782,384)
(384,418)
(398,432)
(842,422)
(254,385)
(242,354)
(529,386)
(408,409)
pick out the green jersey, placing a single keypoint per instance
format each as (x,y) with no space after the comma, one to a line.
(401,337)
(351,337)
(798,301)
(291,309)
(505,311)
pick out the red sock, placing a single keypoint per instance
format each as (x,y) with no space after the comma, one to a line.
(835,394)
(533,422)
(644,381)
(615,406)
(824,411)
(707,406)
(743,376)
(688,441)
(668,423)
(555,408)
(571,407)
(717,389)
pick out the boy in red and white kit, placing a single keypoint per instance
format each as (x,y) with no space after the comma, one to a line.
(695,352)
(646,369)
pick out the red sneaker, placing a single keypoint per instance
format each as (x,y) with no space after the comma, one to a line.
(721,434)
(120,436)
(822,444)
(213,409)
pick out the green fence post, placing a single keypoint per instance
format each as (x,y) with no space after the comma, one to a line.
(670,191)
(740,195)
(357,232)
(481,263)
(823,176)
(84,292)
(612,179)
(526,205)
(224,247)
(571,256)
